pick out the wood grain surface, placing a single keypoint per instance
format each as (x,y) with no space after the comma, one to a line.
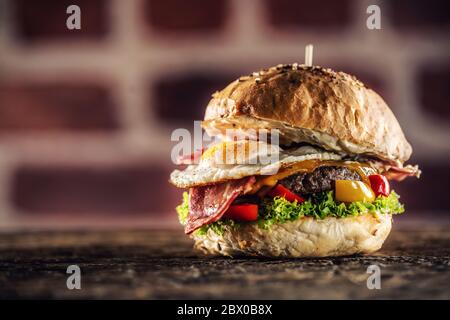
(160,264)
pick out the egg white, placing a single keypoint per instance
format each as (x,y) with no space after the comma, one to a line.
(210,171)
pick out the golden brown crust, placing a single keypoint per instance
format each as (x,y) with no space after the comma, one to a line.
(304,237)
(311,104)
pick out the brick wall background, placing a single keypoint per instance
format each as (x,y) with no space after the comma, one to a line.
(86,115)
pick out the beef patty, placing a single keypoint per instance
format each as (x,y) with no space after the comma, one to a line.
(321,179)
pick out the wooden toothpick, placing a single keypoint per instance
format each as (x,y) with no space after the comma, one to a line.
(309,55)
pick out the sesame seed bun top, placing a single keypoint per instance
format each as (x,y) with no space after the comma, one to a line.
(311,104)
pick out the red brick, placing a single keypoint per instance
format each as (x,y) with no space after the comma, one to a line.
(46,19)
(183,98)
(433,91)
(186,16)
(325,14)
(413,15)
(429,193)
(83,190)
(56,107)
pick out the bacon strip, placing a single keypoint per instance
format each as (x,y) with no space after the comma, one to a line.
(192,158)
(397,173)
(208,204)
(393,172)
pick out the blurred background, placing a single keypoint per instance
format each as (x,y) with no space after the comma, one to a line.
(86,115)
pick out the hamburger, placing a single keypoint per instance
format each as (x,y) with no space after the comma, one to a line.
(333,145)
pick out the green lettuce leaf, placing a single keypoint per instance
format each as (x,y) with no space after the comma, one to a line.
(319,206)
(322,205)
(219,226)
(183,209)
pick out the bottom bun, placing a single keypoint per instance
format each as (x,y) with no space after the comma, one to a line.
(305,237)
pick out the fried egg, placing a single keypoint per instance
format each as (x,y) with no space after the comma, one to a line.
(230,160)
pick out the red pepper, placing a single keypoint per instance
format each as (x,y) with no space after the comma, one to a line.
(280,191)
(242,212)
(380,185)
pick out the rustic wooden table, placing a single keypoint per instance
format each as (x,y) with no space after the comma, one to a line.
(158,264)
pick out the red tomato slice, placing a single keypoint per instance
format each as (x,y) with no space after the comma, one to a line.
(242,212)
(379,184)
(280,191)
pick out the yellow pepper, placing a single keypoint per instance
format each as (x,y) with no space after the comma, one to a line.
(351,191)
